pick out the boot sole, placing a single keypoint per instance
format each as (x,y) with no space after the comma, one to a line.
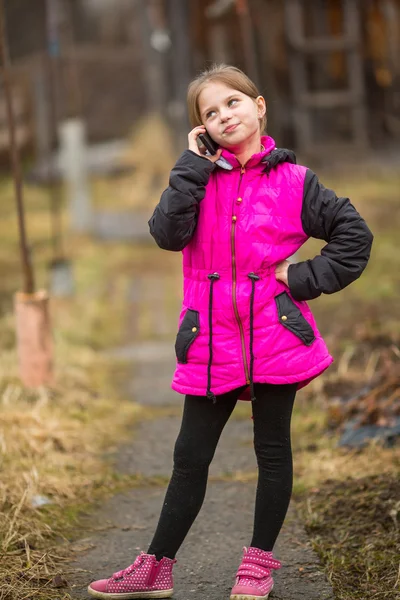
(250,596)
(247,597)
(131,595)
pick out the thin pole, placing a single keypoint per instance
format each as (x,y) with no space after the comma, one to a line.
(28,278)
(52,59)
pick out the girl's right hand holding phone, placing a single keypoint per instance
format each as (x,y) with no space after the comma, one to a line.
(193,146)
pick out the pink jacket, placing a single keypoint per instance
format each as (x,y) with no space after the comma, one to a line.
(238,324)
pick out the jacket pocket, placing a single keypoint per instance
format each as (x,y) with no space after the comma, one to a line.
(291,317)
(188,332)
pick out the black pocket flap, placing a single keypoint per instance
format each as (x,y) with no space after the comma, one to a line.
(188,331)
(292,318)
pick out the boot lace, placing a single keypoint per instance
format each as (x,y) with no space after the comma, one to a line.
(124,572)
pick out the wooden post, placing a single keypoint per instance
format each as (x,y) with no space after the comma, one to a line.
(72,134)
(34,338)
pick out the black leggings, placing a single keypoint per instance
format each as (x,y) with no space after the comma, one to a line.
(202,425)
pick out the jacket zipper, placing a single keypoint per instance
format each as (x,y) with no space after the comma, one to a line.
(246,368)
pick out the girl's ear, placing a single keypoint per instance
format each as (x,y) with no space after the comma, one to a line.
(261,106)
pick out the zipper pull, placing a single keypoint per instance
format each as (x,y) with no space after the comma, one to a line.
(242,171)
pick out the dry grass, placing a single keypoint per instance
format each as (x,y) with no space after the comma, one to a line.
(52,440)
(349,502)
(51,445)
(50,448)
(349,498)
(353,525)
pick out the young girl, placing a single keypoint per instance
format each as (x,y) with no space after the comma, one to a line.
(245,330)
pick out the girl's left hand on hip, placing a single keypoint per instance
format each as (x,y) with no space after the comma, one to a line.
(281,271)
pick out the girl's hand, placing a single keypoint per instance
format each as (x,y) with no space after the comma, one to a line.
(192,139)
(281,271)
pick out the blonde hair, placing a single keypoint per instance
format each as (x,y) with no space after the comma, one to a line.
(230,76)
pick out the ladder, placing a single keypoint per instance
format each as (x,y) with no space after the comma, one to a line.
(321,46)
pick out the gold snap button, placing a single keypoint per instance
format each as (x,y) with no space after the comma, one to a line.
(194,329)
(239,199)
(284,318)
(234,218)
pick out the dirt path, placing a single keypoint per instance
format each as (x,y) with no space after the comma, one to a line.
(211,553)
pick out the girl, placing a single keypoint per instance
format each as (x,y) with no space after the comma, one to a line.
(245,330)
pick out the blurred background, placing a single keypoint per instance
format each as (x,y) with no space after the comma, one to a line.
(329,69)
(98,90)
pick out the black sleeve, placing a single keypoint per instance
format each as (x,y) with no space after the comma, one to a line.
(326,217)
(174,220)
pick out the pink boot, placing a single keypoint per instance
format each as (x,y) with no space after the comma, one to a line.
(146,578)
(253,578)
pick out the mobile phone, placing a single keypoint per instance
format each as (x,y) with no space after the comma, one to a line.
(208,142)
(212,147)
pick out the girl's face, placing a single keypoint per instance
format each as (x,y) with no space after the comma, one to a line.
(230,117)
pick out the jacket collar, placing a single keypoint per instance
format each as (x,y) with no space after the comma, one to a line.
(278,155)
(271,156)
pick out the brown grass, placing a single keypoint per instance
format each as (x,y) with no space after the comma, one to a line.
(51,445)
(52,440)
(349,498)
